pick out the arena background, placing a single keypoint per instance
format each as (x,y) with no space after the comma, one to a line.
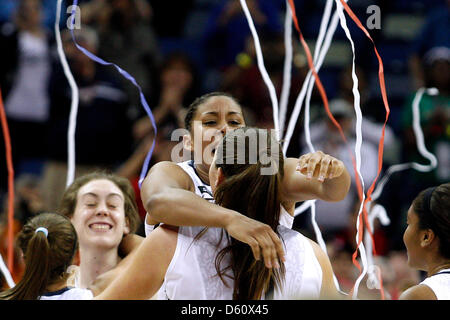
(181,49)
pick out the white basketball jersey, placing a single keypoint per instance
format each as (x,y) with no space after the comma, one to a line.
(68,293)
(440,284)
(192,274)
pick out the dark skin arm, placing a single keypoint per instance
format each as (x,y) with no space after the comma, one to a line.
(419,292)
(329,179)
(168,196)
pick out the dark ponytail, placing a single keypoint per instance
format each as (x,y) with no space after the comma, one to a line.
(46,256)
(254,194)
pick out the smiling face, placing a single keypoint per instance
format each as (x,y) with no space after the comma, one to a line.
(413,238)
(99,216)
(212,120)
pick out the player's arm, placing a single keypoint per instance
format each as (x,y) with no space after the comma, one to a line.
(315,176)
(418,292)
(168,196)
(143,274)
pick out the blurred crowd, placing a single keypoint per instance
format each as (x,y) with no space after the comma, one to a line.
(179,50)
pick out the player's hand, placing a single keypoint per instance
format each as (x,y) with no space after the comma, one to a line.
(320,166)
(263,241)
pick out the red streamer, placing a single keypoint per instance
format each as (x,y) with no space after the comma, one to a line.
(381,142)
(10,249)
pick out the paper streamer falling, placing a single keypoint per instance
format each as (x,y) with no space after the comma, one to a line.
(126,75)
(287,68)
(378,211)
(320,57)
(319,54)
(420,142)
(358,130)
(9,164)
(262,68)
(6,273)
(74,102)
(373,271)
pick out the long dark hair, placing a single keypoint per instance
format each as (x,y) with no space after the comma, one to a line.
(46,256)
(248,190)
(433,209)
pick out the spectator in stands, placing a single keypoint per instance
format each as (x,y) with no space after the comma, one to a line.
(434,112)
(27,57)
(126,38)
(434,33)
(103,129)
(227,29)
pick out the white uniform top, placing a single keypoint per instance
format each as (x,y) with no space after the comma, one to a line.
(68,293)
(192,274)
(203,190)
(440,284)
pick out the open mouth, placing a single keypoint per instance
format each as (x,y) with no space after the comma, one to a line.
(100,226)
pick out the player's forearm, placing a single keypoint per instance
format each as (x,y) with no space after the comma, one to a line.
(336,189)
(183,208)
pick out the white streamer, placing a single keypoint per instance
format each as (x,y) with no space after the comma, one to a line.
(287,67)
(377,212)
(262,69)
(420,142)
(303,207)
(320,54)
(358,143)
(6,273)
(321,58)
(74,103)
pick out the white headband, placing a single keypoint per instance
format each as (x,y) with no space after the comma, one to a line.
(42,229)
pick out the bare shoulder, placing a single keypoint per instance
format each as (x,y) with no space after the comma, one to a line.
(169,174)
(317,250)
(328,289)
(321,255)
(418,292)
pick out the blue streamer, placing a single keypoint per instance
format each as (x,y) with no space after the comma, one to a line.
(133,81)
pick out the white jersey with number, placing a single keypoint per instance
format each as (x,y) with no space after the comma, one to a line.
(440,284)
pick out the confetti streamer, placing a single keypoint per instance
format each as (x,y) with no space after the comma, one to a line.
(287,69)
(374,279)
(74,102)
(262,68)
(6,273)
(420,142)
(126,75)
(9,164)
(381,142)
(358,143)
